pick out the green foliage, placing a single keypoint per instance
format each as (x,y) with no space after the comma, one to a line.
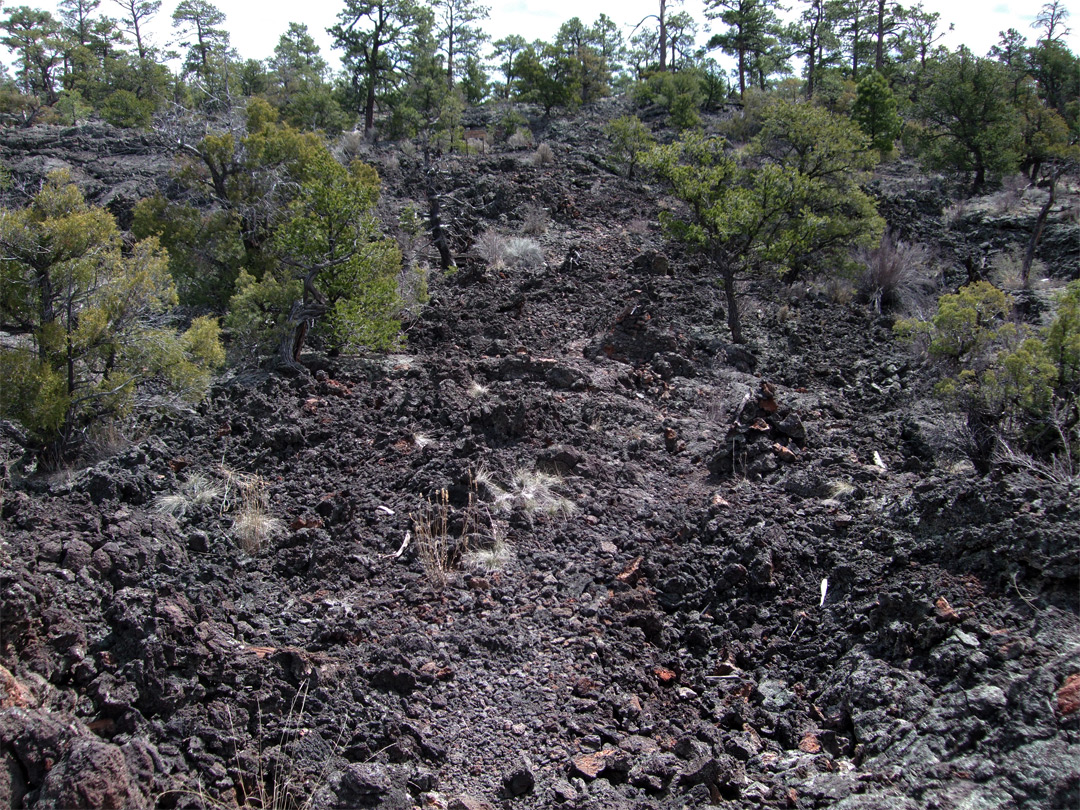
(205,250)
(373,36)
(70,109)
(89,317)
(298,85)
(875,112)
(332,262)
(546,75)
(1008,379)
(679,93)
(970,124)
(255,309)
(125,109)
(34,393)
(790,202)
(629,138)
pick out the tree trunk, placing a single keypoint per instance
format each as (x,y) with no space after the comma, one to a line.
(301,316)
(663,36)
(1040,224)
(728,273)
(879,53)
(438,235)
(742,73)
(369,110)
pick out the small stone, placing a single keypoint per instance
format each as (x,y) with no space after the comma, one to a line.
(945,611)
(629,574)
(1068,696)
(467,802)
(591,765)
(810,744)
(987,699)
(519,781)
(966,639)
(666,676)
(563,790)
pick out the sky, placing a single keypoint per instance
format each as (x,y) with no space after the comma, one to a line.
(256,25)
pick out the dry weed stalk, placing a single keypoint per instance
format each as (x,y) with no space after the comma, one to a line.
(253,526)
(446,537)
(431,527)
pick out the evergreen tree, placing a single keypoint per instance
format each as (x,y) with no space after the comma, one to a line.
(752,26)
(875,112)
(546,75)
(333,265)
(136,14)
(789,203)
(299,88)
(970,126)
(815,40)
(93,316)
(35,36)
(199,22)
(373,36)
(457,33)
(505,52)
(854,24)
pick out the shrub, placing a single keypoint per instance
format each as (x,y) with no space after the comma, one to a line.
(491,247)
(530,490)
(524,254)
(93,320)
(125,109)
(521,139)
(534,220)
(875,112)
(543,156)
(894,274)
(252,525)
(413,288)
(1008,380)
(629,138)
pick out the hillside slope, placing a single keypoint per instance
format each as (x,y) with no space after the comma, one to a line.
(701,574)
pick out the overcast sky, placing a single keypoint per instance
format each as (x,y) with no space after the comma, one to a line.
(255,27)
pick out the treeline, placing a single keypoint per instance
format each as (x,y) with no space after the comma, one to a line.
(409,68)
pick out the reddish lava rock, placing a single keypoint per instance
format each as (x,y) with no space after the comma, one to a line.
(1068,696)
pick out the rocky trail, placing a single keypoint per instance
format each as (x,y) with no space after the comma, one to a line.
(568,548)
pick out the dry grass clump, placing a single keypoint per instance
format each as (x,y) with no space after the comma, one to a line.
(523,253)
(1007,270)
(477,390)
(531,490)
(521,139)
(197,490)
(431,527)
(446,536)
(535,220)
(494,558)
(518,252)
(1011,194)
(252,526)
(413,288)
(351,145)
(491,247)
(895,274)
(543,156)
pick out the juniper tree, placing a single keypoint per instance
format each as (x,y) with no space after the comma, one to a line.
(89,319)
(789,203)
